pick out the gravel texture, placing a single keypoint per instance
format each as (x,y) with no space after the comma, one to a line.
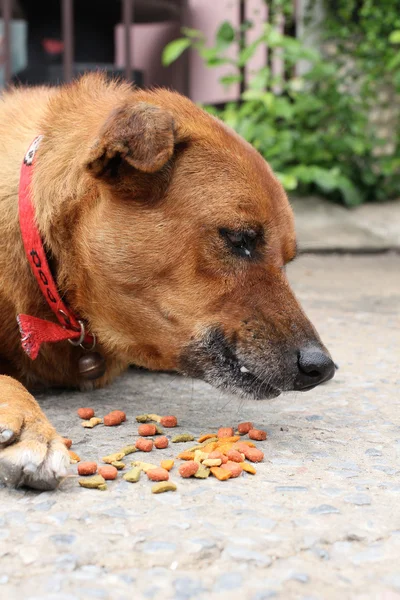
(320,520)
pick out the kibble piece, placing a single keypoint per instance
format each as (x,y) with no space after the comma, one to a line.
(186,455)
(111,420)
(243,447)
(163,486)
(144,445)
(159,430)
(154,417)
(167,464)
(218,454)
(146,430)
(161,442)
(103,487)
(85,413)
(205,437)
(254,454)
(87,468)
(118,465)
(257,434)
(143,419)
(169,421)
(73,457)
(133,475)
(67,442)
(158,474)
(212,462)
(199,456)
(91,423)
(113,457)
(92,482)
(183,437)
(224,432)
(118,413)
(129,450)
(248,468)
(235,456)
(143,466)
(109,472)
(202,472)
(234,468)
(210,447)
(188,468)
(244,428)
(219,473)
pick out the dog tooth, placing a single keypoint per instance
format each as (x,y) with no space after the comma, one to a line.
(6,435)
(244,370)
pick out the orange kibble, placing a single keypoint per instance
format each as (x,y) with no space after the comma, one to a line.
(147,429)
(87,468)
(248,468)
(144,445)
(220,473)
(224,432)
(186,455)
(112,419)
(229,440)
(85,413)
(210,447)
(67,442)
(188,468)
(161,442)
(118,413)
(218,454)
(235,456)
(254,454)
(243,447)
(206,436)
(73,456)
(108,472)
(257,434)
(169,421)
(224,448)
(167,464)
(233,468)
(244,428)
(158,474)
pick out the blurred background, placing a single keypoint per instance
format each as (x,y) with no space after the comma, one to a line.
(312,84)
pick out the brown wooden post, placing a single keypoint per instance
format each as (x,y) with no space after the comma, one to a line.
(67,18)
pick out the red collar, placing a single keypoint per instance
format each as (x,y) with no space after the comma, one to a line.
(34,331)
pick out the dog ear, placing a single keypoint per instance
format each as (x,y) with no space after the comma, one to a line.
(141,135)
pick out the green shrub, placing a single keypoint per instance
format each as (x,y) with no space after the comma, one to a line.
(317,132)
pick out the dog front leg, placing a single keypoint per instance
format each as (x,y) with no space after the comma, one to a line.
(31,451)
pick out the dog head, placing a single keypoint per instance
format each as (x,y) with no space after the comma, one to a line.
(182,246)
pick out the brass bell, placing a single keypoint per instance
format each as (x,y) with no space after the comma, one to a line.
(91,366)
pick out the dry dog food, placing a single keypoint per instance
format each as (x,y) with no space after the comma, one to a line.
(128,450)
(113,457)
(143,466)
(85,413)
(235,456)
(92,482)
(144,445)
(244,428)
(67,442)
(225,432)
(133,475)
(202,472)
(147,429)
(91,423)
(248,468)
(218,454)
(219,473)
(257,434)
(169,421)
(254,454)
(116,417)
(73,457)
(212,462)
(161,442)
(119,465)
(233,467)
(167,464)
(87,468)
(163,486)
(158,474)
(183,437)
(108,472)
(189,468)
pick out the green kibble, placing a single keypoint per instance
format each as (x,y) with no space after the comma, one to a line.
(159,430)
(118,465)
(163,486)
(129,450)
(92,482)
(133,475)
(103,487)
(143,419)
(183,437)
(202,472)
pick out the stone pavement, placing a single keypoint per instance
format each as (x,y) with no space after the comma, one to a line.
(320,520)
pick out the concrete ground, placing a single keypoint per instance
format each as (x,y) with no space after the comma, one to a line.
(320,520)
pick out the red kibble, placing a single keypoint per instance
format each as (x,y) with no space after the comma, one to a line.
(233,467)
(257,434)
(188,468)
(161,442)
(244,428)
(108,472)
(253,454)
(218,454)
(158,474)
(112,419)
(147,429)
(225,432)
(144,445)
(67,442)
(235,456)
(169,421)
(85,413)
(119,413)
(87,468)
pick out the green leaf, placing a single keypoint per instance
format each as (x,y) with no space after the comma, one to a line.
(192,33)
(229,79)
(394,37)
(288,181)
(174,49)
(225,35)
(247,53)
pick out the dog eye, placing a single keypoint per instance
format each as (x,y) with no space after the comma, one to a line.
(242,243)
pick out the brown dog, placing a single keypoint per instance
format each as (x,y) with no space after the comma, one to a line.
(168,236)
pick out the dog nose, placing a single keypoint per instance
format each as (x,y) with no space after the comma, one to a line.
(315,367)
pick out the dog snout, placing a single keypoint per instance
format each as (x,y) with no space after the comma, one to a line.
(314,367)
